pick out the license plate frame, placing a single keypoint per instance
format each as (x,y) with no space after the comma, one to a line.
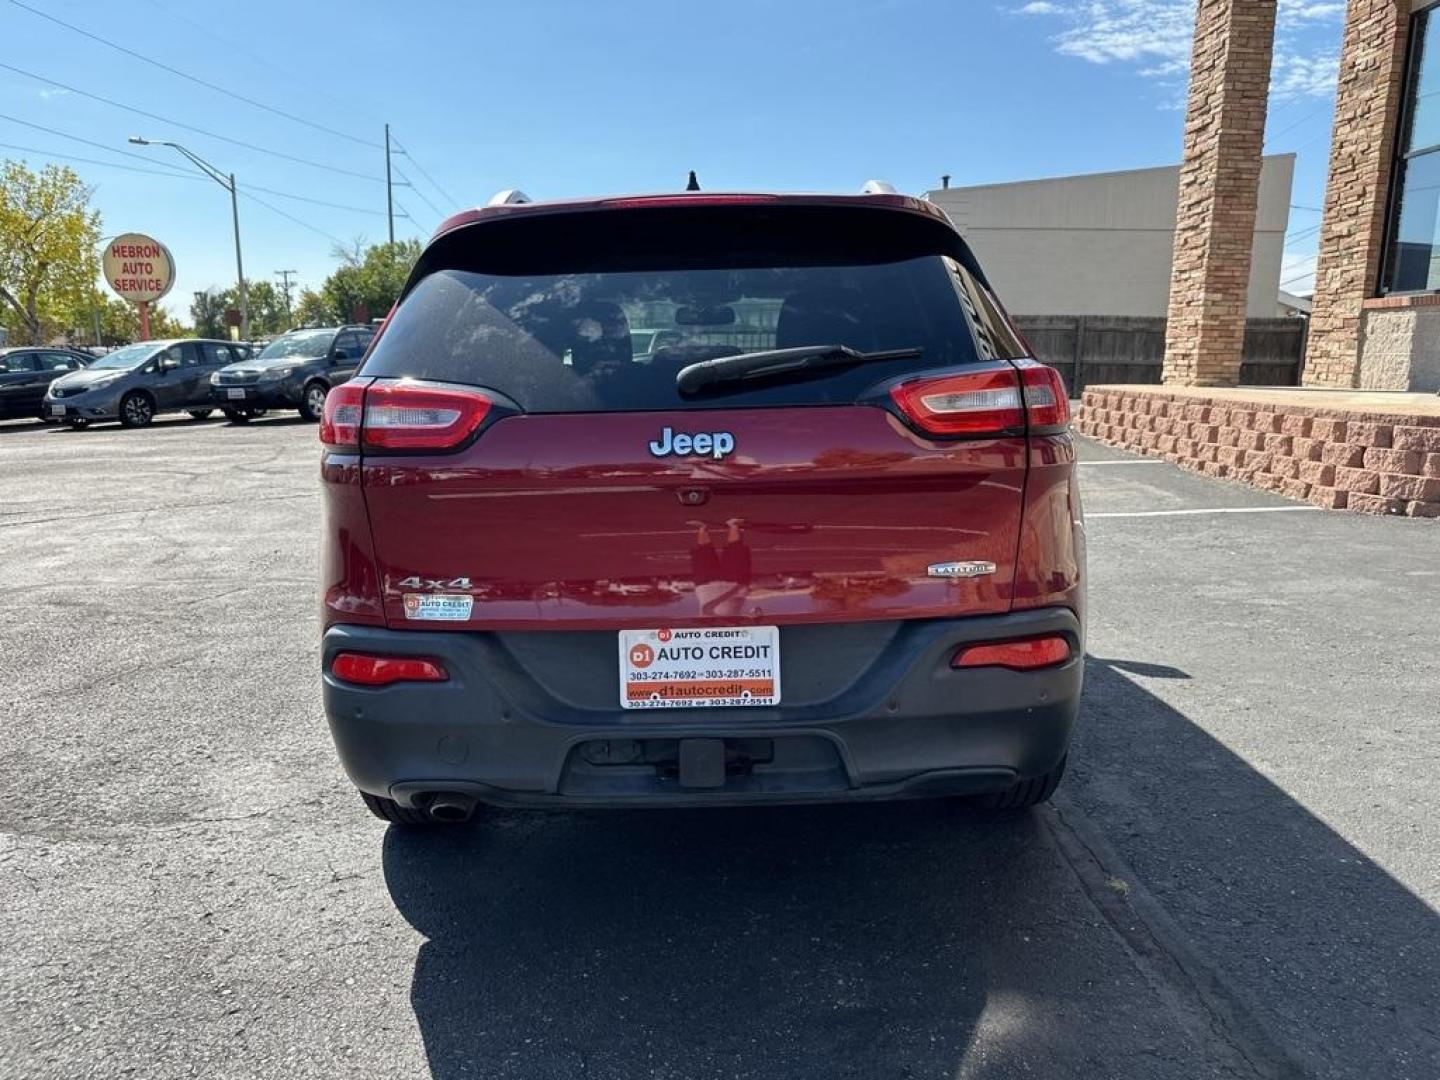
(700,667)
(235,393)
(57,410)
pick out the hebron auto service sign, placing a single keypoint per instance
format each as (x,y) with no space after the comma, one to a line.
(138,267)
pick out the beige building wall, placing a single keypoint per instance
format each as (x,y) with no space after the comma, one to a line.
(1100,244)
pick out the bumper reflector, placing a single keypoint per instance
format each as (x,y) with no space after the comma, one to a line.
(367,670)
(1024,655)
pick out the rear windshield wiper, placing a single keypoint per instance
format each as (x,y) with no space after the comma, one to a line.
(696,378)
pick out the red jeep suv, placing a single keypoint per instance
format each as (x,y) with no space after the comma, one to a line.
(824,543)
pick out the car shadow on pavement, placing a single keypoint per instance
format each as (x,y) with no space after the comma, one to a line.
(857,941)
(923,939)
(1335,957)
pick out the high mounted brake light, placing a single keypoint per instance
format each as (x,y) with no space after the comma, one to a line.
(643,201)
(1006,396)
(401,416)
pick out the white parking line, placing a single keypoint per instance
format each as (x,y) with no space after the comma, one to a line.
(1206,510)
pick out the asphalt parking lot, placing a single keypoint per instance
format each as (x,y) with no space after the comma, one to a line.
(1238,878)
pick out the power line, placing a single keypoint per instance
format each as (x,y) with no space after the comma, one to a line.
(408,217)
(308,199)
(421,170)
(191,78)
(93,161)
(87,142)
(421,195)
(257,57)
(291,217)
(186,173)
(188,127)
(1328,104)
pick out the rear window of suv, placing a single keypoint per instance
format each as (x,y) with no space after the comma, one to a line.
(619,316)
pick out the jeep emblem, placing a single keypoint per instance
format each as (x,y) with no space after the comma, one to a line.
(714,443)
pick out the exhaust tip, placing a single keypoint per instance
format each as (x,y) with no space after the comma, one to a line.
(452,807)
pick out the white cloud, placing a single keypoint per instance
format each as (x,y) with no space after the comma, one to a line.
(1155,36)
(1293,75)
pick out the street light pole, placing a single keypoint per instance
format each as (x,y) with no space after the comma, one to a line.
(389,187)
(227,181)
(239,268)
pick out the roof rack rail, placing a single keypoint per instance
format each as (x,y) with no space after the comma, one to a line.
(878,187)
(509,197)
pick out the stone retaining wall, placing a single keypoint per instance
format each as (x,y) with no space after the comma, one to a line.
(1341,459)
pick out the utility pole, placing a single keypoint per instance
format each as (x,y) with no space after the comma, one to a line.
(389,187)
(284,276)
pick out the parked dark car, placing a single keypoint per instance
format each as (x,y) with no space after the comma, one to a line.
(26,372)
(845,562)
(295,371)
(136,383)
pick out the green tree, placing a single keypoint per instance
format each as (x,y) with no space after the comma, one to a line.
(310,309)
(207,312)
(49,238)
(368,285)
(265,300)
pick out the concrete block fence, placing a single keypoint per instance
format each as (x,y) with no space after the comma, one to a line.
(1372,462)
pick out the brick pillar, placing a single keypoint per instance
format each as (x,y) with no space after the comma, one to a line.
(1219,186)
(1367,105)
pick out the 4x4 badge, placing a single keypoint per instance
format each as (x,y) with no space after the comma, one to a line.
(434,583)
(960,569)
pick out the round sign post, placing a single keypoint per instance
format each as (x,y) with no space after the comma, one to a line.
(140,269)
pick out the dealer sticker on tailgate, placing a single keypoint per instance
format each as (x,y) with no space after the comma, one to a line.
(717,666)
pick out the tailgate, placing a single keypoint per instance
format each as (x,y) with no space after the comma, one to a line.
(818,514)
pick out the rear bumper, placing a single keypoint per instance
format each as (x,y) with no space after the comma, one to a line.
(907,725)
(256,396)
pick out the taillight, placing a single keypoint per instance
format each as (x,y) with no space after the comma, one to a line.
(1024,655)
(340,422)
(971,403)
(1047,404)
(1007,397)
(420,416)
(366,670)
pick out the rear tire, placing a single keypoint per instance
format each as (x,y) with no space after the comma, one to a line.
(136,409)
(391,811)
(199,414)
(1025,793)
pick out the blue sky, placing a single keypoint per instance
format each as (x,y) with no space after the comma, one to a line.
(566,97)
